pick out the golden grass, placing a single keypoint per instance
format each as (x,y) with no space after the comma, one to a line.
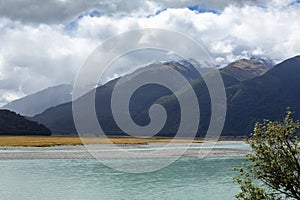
(46,141)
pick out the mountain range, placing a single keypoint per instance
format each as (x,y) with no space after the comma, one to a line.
(255,90)
(60,120)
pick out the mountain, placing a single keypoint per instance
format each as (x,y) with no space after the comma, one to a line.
(245,69)
(38,102)
(15,124)
(60,120)
(264,97)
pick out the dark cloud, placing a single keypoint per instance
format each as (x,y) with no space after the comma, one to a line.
(60,11)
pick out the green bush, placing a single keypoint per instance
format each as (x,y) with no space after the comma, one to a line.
(273,168)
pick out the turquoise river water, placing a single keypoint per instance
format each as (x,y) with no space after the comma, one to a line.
(87,179)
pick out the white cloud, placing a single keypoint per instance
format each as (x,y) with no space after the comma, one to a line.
(33,58)
(36,55)
(271,31)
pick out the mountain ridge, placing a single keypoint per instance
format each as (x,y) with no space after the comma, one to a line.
(60,118)
(272,92)
(36,103)
(245,69)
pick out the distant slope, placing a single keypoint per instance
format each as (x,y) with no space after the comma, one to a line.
(14,124)
(245,69)
(38,102)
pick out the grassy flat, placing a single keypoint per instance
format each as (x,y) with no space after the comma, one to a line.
(46,141)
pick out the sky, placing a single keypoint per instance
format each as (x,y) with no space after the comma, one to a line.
(44,43)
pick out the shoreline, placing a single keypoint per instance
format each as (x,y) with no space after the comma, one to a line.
(48,141)
(222,149)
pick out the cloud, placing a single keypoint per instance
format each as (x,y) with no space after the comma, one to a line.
(44,43)
(61,11)
(33,58)
(231,33)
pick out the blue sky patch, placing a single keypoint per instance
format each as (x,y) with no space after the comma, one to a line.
(72,26)
(294,2)
(95,13)
(201,9)
(157,12)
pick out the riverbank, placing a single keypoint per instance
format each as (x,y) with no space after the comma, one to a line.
(48,141)
(206,149)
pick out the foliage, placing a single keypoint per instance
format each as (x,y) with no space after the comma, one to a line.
(273,169)
(14,124)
